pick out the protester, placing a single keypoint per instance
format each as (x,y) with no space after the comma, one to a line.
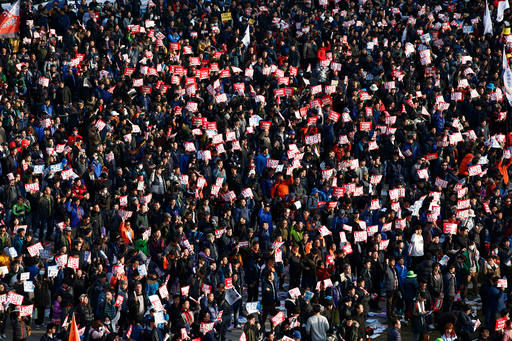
(317,325)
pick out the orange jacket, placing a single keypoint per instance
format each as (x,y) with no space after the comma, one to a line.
(281,188)
(503,170)
(463,168)
(126,233)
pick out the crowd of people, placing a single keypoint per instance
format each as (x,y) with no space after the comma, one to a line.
(272,170)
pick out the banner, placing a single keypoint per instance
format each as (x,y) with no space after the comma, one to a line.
(10,21)
(487,20)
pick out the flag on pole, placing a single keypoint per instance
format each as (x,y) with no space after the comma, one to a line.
(74,335)
(247,37)
(507,77)
(10,21)
(487,19)
(502,6)
(404,35)
(504,59)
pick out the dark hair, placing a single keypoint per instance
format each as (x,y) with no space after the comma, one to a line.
(317,308)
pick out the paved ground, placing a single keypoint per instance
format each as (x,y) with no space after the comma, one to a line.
(234,335)
(377,322)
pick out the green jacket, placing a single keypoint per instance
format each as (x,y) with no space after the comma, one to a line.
(142,245)
(467,263)
(295,235)
(19,210)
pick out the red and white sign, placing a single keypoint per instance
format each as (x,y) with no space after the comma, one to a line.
(14,298)
(164,293)
(475,170)
(247,193)
(206,327)
(500,323)
(347,249)
(450,228)
(156,303)
(33,187)
(423,174)
(119,301)
(278,319)
(360,236)
(26,310)
(185,290)
(206,288)
(73,262)
(34,249)
(365,126)
(100,125)
(61,260)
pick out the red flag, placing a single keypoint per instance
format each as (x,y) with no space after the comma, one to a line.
(10,21)
(74,335)
(129,331)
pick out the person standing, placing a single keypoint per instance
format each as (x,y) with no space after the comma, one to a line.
(269,297)
(417,247)
(19,326)
(391,286)
(449,284)
(251,328)
(45,213)
(419,322)
(317,325)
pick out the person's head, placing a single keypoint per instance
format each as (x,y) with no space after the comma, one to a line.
(138,287)
(123,285)
(359,308)
(84,299)
(317,308)
(448,329)
(451,268)
(396,323)
(251,320)
(51,328)
(347,269)
(423,285)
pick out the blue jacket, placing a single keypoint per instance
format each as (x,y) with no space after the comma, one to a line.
(495,300)
(17,243)
(438,121)
(97,168)
(77,213)
(264,216)
(264,239)
(410,287)
(401,272)
(261,162)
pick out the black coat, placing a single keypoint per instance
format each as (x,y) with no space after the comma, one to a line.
(394,335)
(390,278)
(449,283)
(268,293)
